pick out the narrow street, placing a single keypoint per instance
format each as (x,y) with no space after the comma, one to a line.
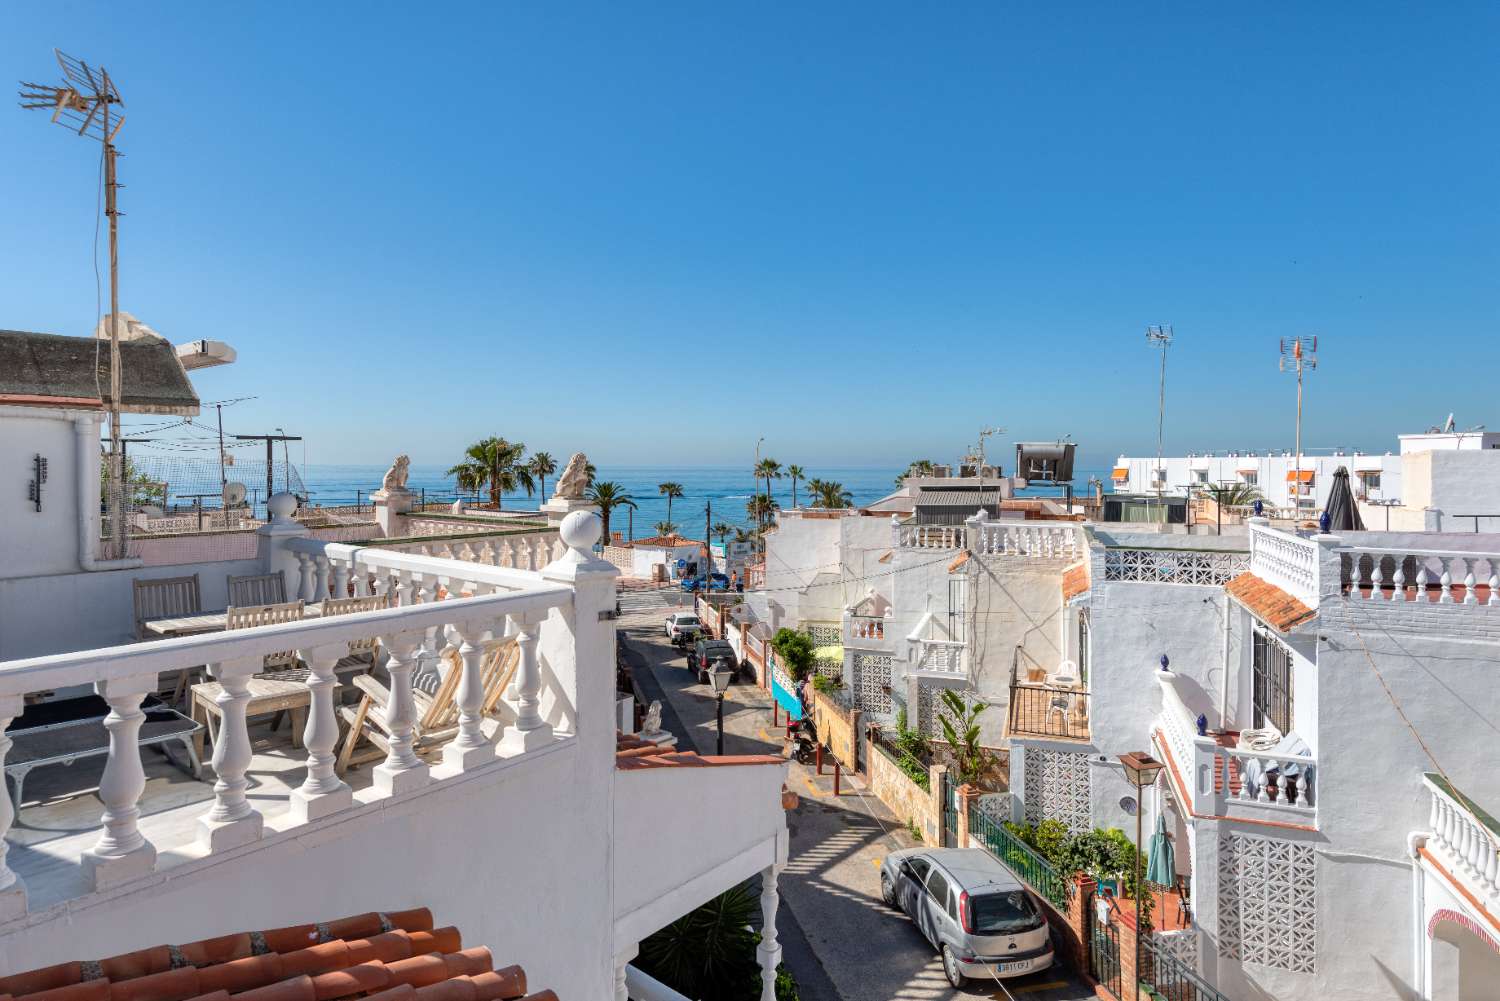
(841,943)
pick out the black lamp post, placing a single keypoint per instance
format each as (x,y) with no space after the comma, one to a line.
(1141,770)
(720,677)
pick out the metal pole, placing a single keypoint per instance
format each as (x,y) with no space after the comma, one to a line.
(1139,930)
(116,454)
(222,478)
(1161,412)
(270,465)
(721,723)
(1297,483)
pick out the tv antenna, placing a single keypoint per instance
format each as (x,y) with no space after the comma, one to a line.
(84,103)
(1160,335)
(1298,354)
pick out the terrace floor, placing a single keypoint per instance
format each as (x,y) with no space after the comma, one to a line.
(1039,712)
(60,817)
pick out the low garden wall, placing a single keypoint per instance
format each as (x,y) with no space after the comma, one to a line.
(906,799)
(838,729)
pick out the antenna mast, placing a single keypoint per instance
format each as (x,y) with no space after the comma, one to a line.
(83,103)
(1302,352)
(1160,335)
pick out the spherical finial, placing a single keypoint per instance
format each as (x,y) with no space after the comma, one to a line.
(580,530)
(282,506)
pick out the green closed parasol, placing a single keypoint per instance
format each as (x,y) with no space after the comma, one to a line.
(1161,864)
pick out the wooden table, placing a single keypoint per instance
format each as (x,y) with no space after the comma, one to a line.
(280,691)
(207,622)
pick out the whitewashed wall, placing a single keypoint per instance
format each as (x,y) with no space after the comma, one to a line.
(46,541)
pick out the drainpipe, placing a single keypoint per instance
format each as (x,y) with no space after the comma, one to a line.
(1224,700)
(1415,841)
(86,446)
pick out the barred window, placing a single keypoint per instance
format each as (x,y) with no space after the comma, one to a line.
(1272,688)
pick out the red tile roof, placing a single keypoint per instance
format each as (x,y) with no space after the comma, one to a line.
(631,753)
(1075,581)
(665,542)
(958,562)
(1267,602)
(396,956)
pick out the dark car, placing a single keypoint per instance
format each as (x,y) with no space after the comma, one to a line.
(705,652)
(714,582)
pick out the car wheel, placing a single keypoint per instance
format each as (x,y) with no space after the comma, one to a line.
(951,971)
(887,891)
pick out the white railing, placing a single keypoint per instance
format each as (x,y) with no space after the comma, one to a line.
(930,536)
(1221,780)
(865,631)
(526,551)
(466,524)
(1420,575)
(1465,841)
(1173,566)
(941,657)
(1288,561)
(1036,539)
(505,604)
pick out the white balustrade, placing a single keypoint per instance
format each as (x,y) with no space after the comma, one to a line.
(123,675)
(941,657)
(930,536)
(864,631)
(1288,561)
(1366,570)
(1465,841)
(1036,539)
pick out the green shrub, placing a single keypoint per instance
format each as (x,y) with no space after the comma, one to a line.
(1051,839)
(786,986)
(827,685)
(795,650)
(911,742)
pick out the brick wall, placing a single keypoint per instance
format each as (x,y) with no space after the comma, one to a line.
(838,729)
(903,797)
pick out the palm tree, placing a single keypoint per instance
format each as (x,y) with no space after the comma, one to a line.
(708,952)
(795,473)
(607,496)
(665,528)
(669,490)
(496,463)
(760,507)
(1233,494)
(918,467)
(543,465)
(722,530)
(829,494)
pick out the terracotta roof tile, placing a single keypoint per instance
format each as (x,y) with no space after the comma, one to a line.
(664,542)
(632,753)
(1267,602)
(1075,581)
(396,955)
(958,562)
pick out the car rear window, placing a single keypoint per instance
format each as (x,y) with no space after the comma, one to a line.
(1004,913)
(687,620)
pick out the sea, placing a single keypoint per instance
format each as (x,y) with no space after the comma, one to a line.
(726,489)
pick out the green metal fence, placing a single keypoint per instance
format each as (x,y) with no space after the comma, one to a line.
(1022,859)
(1168,978)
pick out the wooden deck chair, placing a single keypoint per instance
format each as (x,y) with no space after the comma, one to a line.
(256,589)
(266,615)
(167,597)
(437,714)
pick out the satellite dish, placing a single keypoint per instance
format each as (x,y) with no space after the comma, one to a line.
(234,493)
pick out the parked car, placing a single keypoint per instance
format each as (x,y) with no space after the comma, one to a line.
(705,652)
(683,625)
(714,582)
(982,920)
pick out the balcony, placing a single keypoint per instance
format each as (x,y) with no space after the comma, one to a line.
(865,632)
(1463,843)
(1033,539)
(1288,561)
(1173,566)
(936,655)
(1218,778)
(1406,576)
(940,537)
(1052,711)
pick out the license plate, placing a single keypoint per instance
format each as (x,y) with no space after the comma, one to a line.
(1012,967)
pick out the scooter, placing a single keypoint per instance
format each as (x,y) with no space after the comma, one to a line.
(805,742)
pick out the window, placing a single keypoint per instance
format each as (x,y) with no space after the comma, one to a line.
(1200,476)
(1008,913)
(1250,479)
(1271,696)
(1370,478)
(919,867)
(957,590)
(1158,476)
(937,885)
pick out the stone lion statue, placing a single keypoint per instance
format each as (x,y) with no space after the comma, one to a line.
(652,721)
(575,478)
(395,477)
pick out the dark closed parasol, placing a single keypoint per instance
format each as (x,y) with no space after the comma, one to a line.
(1342,512)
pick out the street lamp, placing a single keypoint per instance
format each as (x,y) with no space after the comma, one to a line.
(1141,770)
(720,677)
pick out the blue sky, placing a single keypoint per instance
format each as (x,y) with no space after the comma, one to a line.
(656,232)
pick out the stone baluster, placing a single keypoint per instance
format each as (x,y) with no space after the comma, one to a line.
(232,821)
(322,792)
(361,579)
(769,950)
(403,588)
(470,748)
(12,887)
(341,578)
(530,731)
(1494,582)
(1398,593)
(506,556)
(122,852)
(305,583)
(401,770)
(1377,577)
(1470,598)
(558,549)
(320,581)
(1422,580)
(1447,583)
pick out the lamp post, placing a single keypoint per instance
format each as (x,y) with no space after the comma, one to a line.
(1141,769)
(720,677)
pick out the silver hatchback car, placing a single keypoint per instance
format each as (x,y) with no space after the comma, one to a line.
(980,917)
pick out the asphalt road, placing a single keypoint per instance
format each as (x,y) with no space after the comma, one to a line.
(840,941)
